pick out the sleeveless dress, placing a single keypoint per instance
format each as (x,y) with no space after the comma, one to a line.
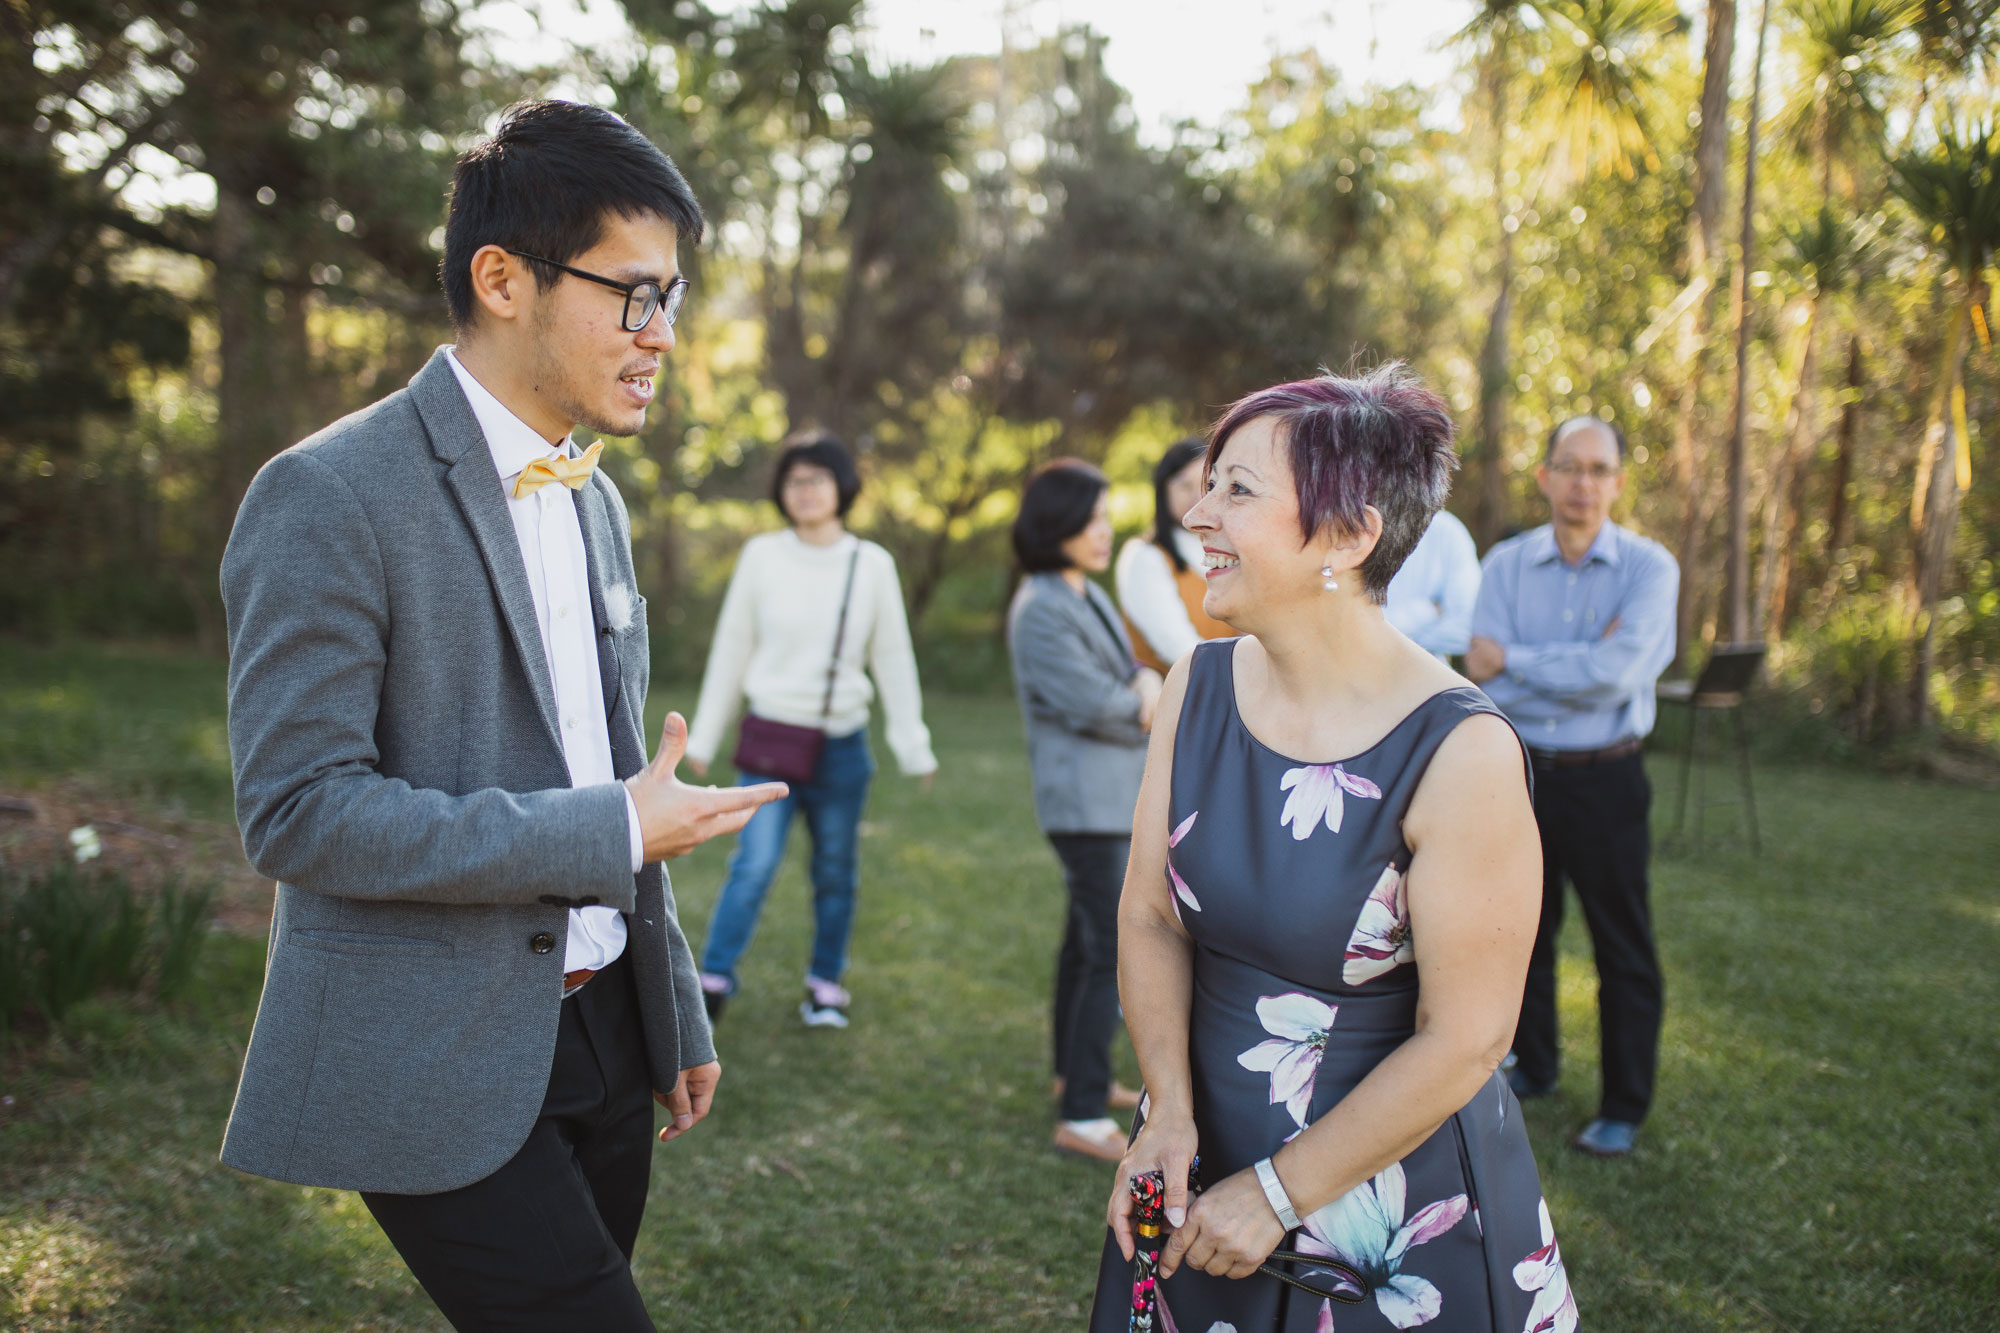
(1289,877)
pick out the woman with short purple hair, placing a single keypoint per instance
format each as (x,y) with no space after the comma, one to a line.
(1333,885)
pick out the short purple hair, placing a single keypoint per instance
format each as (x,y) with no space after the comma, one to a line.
(1380,439)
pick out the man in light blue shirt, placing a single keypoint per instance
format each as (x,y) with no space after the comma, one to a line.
(1432,595)
(1574,623)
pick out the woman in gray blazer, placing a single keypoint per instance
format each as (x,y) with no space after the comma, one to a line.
(1087,705)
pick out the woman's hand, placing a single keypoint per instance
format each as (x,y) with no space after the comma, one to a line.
(1165,1143)
(1147,684)
(1229,1231)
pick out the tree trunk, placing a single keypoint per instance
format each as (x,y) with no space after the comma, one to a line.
(1784,507)
(1736,572)
(1934,506)
(1490,519)
(1711,164)
(1840,520)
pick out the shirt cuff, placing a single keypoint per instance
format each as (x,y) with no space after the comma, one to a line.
(638,839)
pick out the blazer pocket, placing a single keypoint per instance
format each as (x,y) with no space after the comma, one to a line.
(369,944)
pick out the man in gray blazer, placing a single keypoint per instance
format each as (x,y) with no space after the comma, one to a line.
(476,985)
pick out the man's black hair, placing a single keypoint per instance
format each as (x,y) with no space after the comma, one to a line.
(821,449)
(1057,504)
(1165,525)
(1561,428)
(545,182)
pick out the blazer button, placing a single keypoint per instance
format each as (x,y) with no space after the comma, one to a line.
(542,942)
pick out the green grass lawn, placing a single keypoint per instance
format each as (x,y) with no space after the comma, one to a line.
(1823,1155)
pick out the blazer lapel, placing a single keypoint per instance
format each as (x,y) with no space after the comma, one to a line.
(470,476)
(596,525)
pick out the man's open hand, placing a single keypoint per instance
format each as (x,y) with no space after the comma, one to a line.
(688,1103)
(675,818)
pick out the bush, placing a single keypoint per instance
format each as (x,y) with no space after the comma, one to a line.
(67,934)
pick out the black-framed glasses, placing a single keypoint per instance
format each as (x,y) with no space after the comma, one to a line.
(641,298)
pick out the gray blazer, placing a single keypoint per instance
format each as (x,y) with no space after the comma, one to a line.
(1074,678)
(398,772)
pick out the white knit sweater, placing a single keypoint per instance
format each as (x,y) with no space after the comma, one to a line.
(774,641)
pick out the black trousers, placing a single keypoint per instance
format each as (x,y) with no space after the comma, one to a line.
(1594,835)
(1086,1008)
(545,1242)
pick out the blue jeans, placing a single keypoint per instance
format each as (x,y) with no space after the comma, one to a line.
(832,803)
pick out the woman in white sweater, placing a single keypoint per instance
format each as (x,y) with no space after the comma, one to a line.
(774,645)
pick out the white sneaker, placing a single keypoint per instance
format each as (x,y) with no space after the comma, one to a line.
(825,1004)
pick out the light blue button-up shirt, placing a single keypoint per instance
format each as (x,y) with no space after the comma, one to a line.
(1568,685)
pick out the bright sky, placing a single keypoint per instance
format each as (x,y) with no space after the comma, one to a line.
(1180,59)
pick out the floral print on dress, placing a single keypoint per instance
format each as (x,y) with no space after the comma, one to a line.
(1181,890)
(1316,795)
(1299,1025)
(1381,940)
(1365,1230)
(1542,1272)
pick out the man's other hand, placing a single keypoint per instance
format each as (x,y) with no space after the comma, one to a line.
(1484,660)
(675,818)
(688,1103)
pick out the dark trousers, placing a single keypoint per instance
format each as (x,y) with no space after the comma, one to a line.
(1086,1009)
(545,1242)
(1594,835)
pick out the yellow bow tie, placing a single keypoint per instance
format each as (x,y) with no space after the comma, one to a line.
(571,472)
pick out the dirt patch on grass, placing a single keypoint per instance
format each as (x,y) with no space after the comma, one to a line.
(146,846)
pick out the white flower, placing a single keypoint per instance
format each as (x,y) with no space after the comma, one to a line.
(618,607)
(1381,941)
(1299,1025)
(1181,890)
(1365,1230)
(85,842)
(1316,795)
(1554,1310)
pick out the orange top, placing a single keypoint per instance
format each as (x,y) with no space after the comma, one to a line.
(1193,586)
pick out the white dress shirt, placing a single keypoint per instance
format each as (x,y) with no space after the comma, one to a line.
(1150,595)
(1432,596)
(545,524)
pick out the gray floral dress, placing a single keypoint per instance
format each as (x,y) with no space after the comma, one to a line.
(1289,877)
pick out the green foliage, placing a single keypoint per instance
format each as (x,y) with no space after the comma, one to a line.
(71,933)
(1818,1097)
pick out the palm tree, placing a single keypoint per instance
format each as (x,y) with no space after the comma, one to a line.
(1586,112)
(1821,250)
(1953,189)
(1835,121)
(1736,584)
(1704,248)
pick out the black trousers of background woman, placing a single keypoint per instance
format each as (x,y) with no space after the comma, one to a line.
(1086,1010)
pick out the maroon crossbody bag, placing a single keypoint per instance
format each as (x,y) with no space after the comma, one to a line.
(779,749)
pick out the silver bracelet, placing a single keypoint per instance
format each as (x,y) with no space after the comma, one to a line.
(1274,1192)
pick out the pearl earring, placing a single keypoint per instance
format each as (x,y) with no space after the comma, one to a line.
(1326,572)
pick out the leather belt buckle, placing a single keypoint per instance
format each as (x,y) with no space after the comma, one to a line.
(573,981)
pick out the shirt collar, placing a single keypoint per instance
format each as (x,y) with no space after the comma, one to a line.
(512,442)
(1605,548)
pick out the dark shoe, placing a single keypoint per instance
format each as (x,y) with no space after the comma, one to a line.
(1526,1089)
(715,993)
(1606,1138)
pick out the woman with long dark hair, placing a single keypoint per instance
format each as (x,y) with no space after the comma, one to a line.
(1159,575)
(1087,705)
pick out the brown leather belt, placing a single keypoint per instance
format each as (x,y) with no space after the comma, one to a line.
(1631,745)
(573,981)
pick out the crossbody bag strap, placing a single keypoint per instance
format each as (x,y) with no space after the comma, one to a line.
(839,636)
